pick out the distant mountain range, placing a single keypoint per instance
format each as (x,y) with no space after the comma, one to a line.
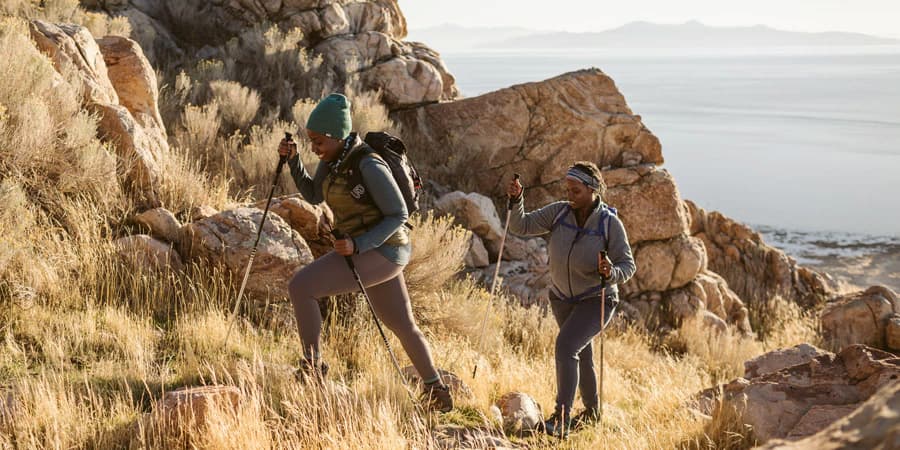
(691,34)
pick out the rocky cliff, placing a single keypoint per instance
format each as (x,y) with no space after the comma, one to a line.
(359,40)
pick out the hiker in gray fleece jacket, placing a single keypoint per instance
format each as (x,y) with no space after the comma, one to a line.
(579,230)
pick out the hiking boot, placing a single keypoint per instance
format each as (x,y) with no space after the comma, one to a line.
(309,371)
(585,418)
(436,396)
(558,425)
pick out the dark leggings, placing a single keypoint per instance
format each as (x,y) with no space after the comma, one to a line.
(578,324)
(330,275)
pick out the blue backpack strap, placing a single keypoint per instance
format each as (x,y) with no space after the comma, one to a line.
(560,216)
(603,223)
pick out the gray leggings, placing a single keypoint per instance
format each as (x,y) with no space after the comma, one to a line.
(578,324)
(330,275)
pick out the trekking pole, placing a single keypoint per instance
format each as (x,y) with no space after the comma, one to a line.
(338,235)
(237,303)
(602,334)
(487,308)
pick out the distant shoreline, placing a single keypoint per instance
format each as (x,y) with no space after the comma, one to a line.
(719,52)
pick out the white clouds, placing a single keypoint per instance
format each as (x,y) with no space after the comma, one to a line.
(880,17)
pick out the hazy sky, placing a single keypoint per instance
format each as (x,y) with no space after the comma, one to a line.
(879,17)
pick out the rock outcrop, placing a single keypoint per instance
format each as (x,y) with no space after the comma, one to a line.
(359,40)
(800,400)
(120,87)
(874,425)
(227,239)
(860,318)
(536,129)
(753,269)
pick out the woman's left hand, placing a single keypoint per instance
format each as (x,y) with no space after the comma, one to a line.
(604,264)
(344,247)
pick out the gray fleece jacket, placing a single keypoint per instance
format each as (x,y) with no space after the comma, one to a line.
(574,269)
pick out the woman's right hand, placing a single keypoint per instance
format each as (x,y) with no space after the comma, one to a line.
(287,148)
(515,189)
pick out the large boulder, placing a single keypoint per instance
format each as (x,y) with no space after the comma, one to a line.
(753,269)
(71,46)
(705,297)
(859,318)
(405,81)
(670,264)
(800,400)
(536,129)
(874,425)
(648,203)
(781,359)
(134,80)
(477,213)
(352,53)
(227,238)
(313,222)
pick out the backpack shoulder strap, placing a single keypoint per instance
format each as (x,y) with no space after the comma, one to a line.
(354,173)
(560,216)
(603,225)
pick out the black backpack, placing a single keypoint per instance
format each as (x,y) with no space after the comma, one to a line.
(393,151)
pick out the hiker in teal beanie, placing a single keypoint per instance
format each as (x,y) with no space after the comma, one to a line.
(378,243)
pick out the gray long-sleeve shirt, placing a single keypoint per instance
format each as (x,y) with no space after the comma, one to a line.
(384,192)
(574,267)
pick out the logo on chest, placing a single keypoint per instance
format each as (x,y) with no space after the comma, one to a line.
(358,191)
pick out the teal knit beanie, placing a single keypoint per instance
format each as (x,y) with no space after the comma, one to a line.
(331,117)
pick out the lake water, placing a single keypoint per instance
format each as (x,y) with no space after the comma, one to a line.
(805,140)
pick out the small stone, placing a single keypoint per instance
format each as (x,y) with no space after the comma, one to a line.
(521,413)
(892,333)
(194,404)
(144,252)
(477,256)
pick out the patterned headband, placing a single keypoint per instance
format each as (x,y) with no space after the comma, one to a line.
(589,181)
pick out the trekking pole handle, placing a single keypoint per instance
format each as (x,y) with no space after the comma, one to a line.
(283,159)
(604,277)
(338,234)
(509,203)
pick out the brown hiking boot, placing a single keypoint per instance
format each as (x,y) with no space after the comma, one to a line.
(309,371)
(585,418)
(436,396)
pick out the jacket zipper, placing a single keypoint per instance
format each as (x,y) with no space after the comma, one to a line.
(569,256)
